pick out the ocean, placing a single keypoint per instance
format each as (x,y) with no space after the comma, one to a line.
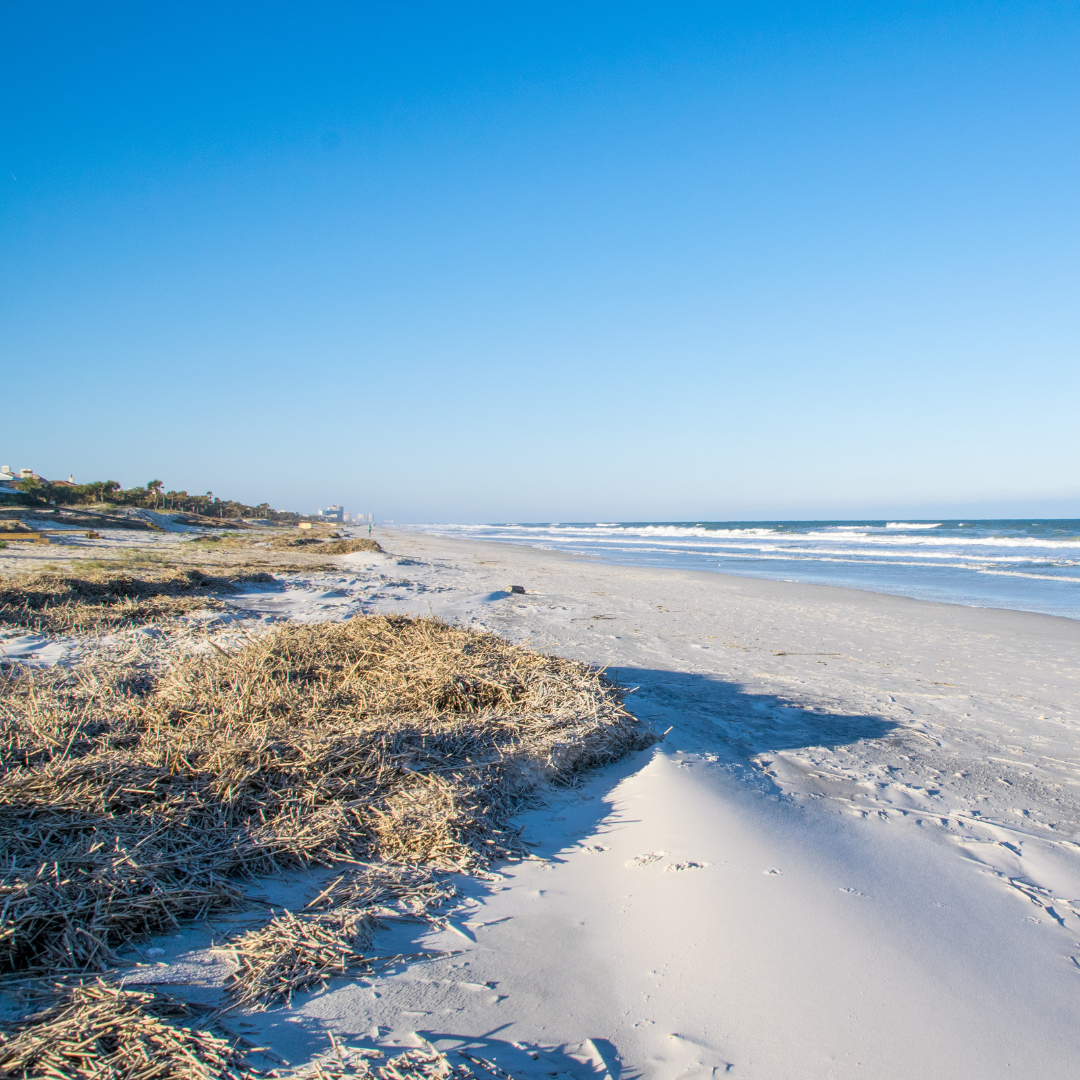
(1025,565)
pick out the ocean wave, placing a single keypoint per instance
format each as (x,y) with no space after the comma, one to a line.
(823,540)
(890,556)
(871,539)
(974,568)
(1034,577)
(911,525)
(893,541)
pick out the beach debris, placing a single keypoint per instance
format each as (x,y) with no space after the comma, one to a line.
(350,547)
(298,952)
(97,1029)
(518,589)
(425,1063)
(134,796)
(130,801)
(94,600)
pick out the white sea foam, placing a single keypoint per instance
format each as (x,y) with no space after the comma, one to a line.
(628,534)
(1034,577)
(911,525)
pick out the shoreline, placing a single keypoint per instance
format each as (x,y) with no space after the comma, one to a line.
(972,575)
(975,619)
(707,575)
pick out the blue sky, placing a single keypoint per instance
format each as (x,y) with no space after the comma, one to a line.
(467,262)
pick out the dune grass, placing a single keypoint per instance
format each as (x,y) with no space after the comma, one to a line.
(106,595)
(132,801)
(97,1030)
(309,543)
(405,740)
(100,1030)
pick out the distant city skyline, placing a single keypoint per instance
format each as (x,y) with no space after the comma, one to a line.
(589,262)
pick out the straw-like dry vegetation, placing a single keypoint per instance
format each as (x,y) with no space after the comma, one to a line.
(133,797)
(310,543)
(325,545)
(427,1064)
(295,952)
(348,547)
(123,811)
(99,1031)
(107,597)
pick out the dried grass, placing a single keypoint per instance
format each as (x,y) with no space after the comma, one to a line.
(348,547)
(325,545)
(297,952)
(311,543)
(305,539)
(426,1064)
(105,598)
(130,801)
(123,810)
(97,1030)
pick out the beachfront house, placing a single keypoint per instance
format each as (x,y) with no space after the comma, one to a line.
(9,479)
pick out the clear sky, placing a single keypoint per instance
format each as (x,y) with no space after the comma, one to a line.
(558,261)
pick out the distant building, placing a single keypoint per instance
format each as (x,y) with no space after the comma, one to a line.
(9,479)
(333,512)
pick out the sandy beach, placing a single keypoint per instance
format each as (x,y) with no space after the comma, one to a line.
(854,852)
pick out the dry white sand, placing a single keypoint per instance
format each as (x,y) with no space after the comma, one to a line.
(855,853)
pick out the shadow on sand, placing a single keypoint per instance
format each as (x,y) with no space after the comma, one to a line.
(706,716)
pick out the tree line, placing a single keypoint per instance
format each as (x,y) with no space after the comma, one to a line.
(35,492)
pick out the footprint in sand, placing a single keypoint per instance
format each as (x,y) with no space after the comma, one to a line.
(644,860)
(772,871)
(684,866)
